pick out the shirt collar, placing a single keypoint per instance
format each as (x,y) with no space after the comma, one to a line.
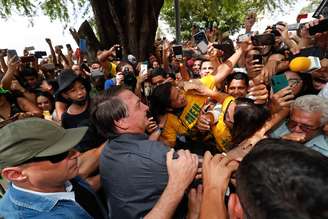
(68,195)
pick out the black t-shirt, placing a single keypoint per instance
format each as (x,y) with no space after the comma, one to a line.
(92,137)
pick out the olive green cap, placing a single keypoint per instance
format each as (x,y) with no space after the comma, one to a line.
(28,138)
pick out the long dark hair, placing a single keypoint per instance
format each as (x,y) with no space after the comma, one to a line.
(160,100)
(248,118)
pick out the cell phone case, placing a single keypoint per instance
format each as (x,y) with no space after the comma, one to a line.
(279,82)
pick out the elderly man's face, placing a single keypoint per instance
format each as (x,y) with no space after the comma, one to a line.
(304,123)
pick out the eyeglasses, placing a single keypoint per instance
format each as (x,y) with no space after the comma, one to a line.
(293,82)
(306,128)
(53,159)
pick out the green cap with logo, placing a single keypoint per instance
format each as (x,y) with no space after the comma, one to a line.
(28,138)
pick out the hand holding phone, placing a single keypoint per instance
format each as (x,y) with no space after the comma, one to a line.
(319,28)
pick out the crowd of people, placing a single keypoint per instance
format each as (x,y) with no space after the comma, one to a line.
(229,130)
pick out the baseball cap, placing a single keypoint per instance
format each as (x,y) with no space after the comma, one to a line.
(34,137)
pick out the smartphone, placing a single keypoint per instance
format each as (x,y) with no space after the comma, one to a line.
(263,39)
(11,53)
(293,27)
(4,51)
(321,27)
(177,50)
(241,38)
(259,58)
(118,51)
(143,68)
(201,41)
(59,46)
(29,48)
(85,67)
(40,54)
(228,49)
(69,47)
(27,59)
(279,82)
(83,45)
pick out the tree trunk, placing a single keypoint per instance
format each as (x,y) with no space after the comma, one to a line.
(131,23)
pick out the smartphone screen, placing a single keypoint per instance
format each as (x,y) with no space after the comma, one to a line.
(201,41)
(321,27)
(177,50)
(263,39)
(11,53)
(143,68)
(243,37)
(83,45)
(279,82)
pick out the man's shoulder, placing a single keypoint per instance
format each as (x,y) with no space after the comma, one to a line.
(20,204)
(319,143)
(136,144)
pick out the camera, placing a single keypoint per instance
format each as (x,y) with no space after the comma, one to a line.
(275,31)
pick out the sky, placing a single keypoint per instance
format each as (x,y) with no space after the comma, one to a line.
(17,32)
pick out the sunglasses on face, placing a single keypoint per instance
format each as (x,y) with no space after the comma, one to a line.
(53,159)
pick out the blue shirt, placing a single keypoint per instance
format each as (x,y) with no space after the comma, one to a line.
(20,204)
(318,143)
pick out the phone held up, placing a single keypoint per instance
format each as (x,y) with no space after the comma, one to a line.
(118,51)
(263,39)
(201,41)
(177,50)
(279,82)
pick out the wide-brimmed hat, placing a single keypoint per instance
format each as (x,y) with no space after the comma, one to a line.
(68,77)
(25,139)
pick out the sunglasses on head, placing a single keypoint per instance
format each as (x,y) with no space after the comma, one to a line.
(53,159)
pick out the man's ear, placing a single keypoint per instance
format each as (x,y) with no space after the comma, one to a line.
(226,88)
(121,124)
(234,207)
(14,174)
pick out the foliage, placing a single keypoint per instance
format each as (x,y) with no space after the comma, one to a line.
(62,10)
(228,14)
